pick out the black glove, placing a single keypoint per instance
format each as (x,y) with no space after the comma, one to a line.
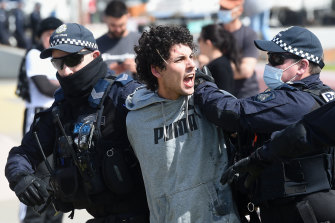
(202,75)
(31,190)
(252,166)
(289,143)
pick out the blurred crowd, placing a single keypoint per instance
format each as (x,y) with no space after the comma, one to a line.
(18,23)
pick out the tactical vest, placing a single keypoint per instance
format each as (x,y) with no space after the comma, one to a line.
(89,169)
(303,175)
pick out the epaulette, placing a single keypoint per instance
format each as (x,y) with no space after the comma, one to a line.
(287,87)
(123,79)
(98,91)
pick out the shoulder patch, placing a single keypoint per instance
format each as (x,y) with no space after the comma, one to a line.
(265,96)
(98,92)
(328,96)
(123,79)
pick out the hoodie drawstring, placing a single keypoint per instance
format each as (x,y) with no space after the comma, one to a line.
(164,125)
(187,122)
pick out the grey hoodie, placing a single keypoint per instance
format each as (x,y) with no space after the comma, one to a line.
(182,157)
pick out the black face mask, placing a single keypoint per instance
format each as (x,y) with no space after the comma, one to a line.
(78,86)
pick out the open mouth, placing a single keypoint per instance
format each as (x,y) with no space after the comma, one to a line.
(189,80)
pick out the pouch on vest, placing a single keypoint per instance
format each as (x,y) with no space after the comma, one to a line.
(66,181)
(115,170)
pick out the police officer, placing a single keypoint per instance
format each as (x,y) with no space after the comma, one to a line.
(309,137)
(94,166)
(295,89)
(4,31)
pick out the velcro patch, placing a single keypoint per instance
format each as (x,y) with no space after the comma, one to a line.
(265,96)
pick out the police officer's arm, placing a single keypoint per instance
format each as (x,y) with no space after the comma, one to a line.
(220,108)
(311,135)
(25,158)
(289,143)
(266,112)
(320,124)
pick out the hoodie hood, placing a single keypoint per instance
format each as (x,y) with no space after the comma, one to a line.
(142,97)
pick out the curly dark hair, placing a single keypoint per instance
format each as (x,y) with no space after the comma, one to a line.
(158,40)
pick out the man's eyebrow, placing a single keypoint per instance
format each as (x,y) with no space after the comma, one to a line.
(185,55)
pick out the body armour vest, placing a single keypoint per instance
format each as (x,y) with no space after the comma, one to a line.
(89,169)
(298,176)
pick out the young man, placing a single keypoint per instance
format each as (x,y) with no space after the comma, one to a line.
(295,89)
(246,84)
(94,166)
(181,154)
(117,46)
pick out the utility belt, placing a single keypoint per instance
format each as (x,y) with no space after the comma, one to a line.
(297,177)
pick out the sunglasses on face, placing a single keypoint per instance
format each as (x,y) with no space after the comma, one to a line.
(70,60)
(276,59)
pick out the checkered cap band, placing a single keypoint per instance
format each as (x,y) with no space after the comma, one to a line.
(296,51)
(76,42)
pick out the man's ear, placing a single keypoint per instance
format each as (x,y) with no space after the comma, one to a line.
(96,53)
(303,67)
(155,71)
(209,43)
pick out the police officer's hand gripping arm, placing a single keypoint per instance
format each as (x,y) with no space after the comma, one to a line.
(202,75)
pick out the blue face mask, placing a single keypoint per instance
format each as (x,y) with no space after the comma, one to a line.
(224,16)
(272,76)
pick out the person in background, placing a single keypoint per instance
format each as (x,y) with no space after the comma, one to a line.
(259,13)
(41,74)
(246,83)
(117,45)
(4,31)
(220,47)
(181,154)
(20,23)
(35,19)
(42,85)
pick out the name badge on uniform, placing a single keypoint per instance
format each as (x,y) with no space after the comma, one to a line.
(328,96)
